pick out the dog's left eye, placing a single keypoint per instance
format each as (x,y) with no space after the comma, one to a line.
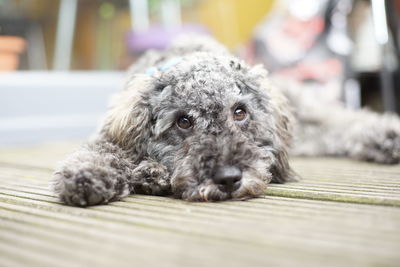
(239,114)
(184,122)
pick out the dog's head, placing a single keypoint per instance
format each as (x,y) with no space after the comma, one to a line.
(216,124)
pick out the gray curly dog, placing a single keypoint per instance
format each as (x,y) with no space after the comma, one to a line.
(199,124)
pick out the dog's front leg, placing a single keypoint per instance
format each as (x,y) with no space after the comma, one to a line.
(152,178)
(97,173)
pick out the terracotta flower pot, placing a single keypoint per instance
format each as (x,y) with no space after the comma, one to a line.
(10,49)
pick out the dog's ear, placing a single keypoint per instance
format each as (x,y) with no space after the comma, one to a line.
(128,119)
(282,125)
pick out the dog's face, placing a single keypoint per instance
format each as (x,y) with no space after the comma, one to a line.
(212,123)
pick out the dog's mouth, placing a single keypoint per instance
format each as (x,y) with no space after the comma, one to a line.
(250,185)
(216,176)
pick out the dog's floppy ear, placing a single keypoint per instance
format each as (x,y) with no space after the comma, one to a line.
(128,119)
(281,125)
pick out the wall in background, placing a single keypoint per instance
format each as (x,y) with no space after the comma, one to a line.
(233,21)
(102,27)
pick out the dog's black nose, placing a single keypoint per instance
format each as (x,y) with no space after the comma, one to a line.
(228,178)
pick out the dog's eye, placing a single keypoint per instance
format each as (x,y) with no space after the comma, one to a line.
(184,122)
(239,114)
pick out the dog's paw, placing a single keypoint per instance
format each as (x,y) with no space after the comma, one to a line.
(384,149)
(379,142)
(151,178)
(87,187)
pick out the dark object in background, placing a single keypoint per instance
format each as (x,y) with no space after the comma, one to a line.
(390,71)
(312,43)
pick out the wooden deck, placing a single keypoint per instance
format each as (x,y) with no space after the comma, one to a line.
(343,213)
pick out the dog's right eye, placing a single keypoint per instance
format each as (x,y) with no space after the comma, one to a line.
(239,114)
(184,122)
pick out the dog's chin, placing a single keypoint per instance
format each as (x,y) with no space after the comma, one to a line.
(252,187)
(186,185)
(207,191)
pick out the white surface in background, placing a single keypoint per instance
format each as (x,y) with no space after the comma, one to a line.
(139,15)
(47,106)
(380,21)
(366,54)
(61,78)
(50,121)
(65,34)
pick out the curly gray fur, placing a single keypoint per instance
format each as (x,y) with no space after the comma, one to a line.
(140,148)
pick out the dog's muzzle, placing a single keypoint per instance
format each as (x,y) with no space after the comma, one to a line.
(227,178)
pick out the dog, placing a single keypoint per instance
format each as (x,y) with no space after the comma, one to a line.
(197,123)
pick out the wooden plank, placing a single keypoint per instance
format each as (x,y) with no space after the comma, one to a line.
(45,156)
(330,179)
(263,231)
(337,228)
(290,226)
(343,180)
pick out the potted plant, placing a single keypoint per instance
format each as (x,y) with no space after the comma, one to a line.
(10,49)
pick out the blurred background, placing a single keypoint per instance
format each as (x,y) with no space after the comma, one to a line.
(60,60)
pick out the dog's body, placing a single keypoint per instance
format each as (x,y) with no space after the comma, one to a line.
(197,123)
